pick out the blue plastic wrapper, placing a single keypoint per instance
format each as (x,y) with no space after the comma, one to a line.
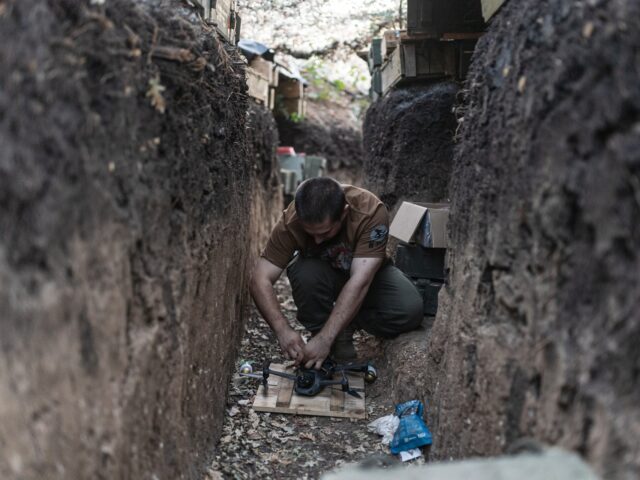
(412,432)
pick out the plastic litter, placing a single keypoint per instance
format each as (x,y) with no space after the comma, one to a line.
(385,426)
(410,454)
(412,431)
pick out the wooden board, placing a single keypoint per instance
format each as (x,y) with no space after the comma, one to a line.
(258,86)
(272,98)
(331,402)
(390,40)
(391,71)
(424,60)
(436,59)
(435,17)
(264,67)
(224,16)
(290,87)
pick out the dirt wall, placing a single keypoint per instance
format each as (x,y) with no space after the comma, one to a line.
(133,180)
(408,140)
(538,331)
(328,129)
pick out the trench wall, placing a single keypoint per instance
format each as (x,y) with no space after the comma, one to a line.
(135,182)
(408,139)
(538,329)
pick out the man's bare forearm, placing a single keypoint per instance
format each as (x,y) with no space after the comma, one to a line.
(267,303)
(347,306)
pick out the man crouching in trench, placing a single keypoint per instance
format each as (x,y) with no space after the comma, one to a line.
(332,240)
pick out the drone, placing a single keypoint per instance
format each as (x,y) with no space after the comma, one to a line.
(309,382)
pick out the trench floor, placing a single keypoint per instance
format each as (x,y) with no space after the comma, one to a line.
(270,445)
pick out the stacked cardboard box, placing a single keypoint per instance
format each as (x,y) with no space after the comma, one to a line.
(422,228)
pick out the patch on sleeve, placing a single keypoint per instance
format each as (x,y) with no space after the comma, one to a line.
(378,236)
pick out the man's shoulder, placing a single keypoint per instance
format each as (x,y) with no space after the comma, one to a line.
(362,201)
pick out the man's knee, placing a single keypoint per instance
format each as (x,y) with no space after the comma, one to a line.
(395,306)
(414,312)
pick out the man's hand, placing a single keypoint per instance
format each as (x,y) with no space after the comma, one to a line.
(316,351)
(292,344)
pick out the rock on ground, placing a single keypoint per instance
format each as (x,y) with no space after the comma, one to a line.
(538,332)
(127,187)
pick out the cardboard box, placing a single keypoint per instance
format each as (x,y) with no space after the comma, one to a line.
(422,223)
(419,262)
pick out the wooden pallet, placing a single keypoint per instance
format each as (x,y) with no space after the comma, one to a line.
(331,402)
(258,86)
(426,60)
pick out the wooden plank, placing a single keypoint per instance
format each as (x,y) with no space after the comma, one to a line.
(435,17)
(391,71)
(331,402)
(409,53)
(264,67)
(435,58)
(337,399)
(390,40)
(490,7)
(290,88)
(222,13)
(285,391)
(272,98)
(258,86)
(406,37)
(422,16)
(462,36)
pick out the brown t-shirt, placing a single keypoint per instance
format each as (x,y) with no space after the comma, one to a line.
(363,234)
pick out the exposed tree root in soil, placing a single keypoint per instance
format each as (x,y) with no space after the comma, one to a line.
(268,445)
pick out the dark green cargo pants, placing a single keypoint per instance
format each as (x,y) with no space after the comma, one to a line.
(392,305)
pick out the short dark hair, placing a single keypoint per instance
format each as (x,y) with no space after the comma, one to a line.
(319,198)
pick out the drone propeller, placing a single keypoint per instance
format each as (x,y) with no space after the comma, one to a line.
(345,386)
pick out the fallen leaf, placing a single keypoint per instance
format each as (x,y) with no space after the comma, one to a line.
(214,475)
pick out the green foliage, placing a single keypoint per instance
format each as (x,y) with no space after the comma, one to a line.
(295,118)
(323,89)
